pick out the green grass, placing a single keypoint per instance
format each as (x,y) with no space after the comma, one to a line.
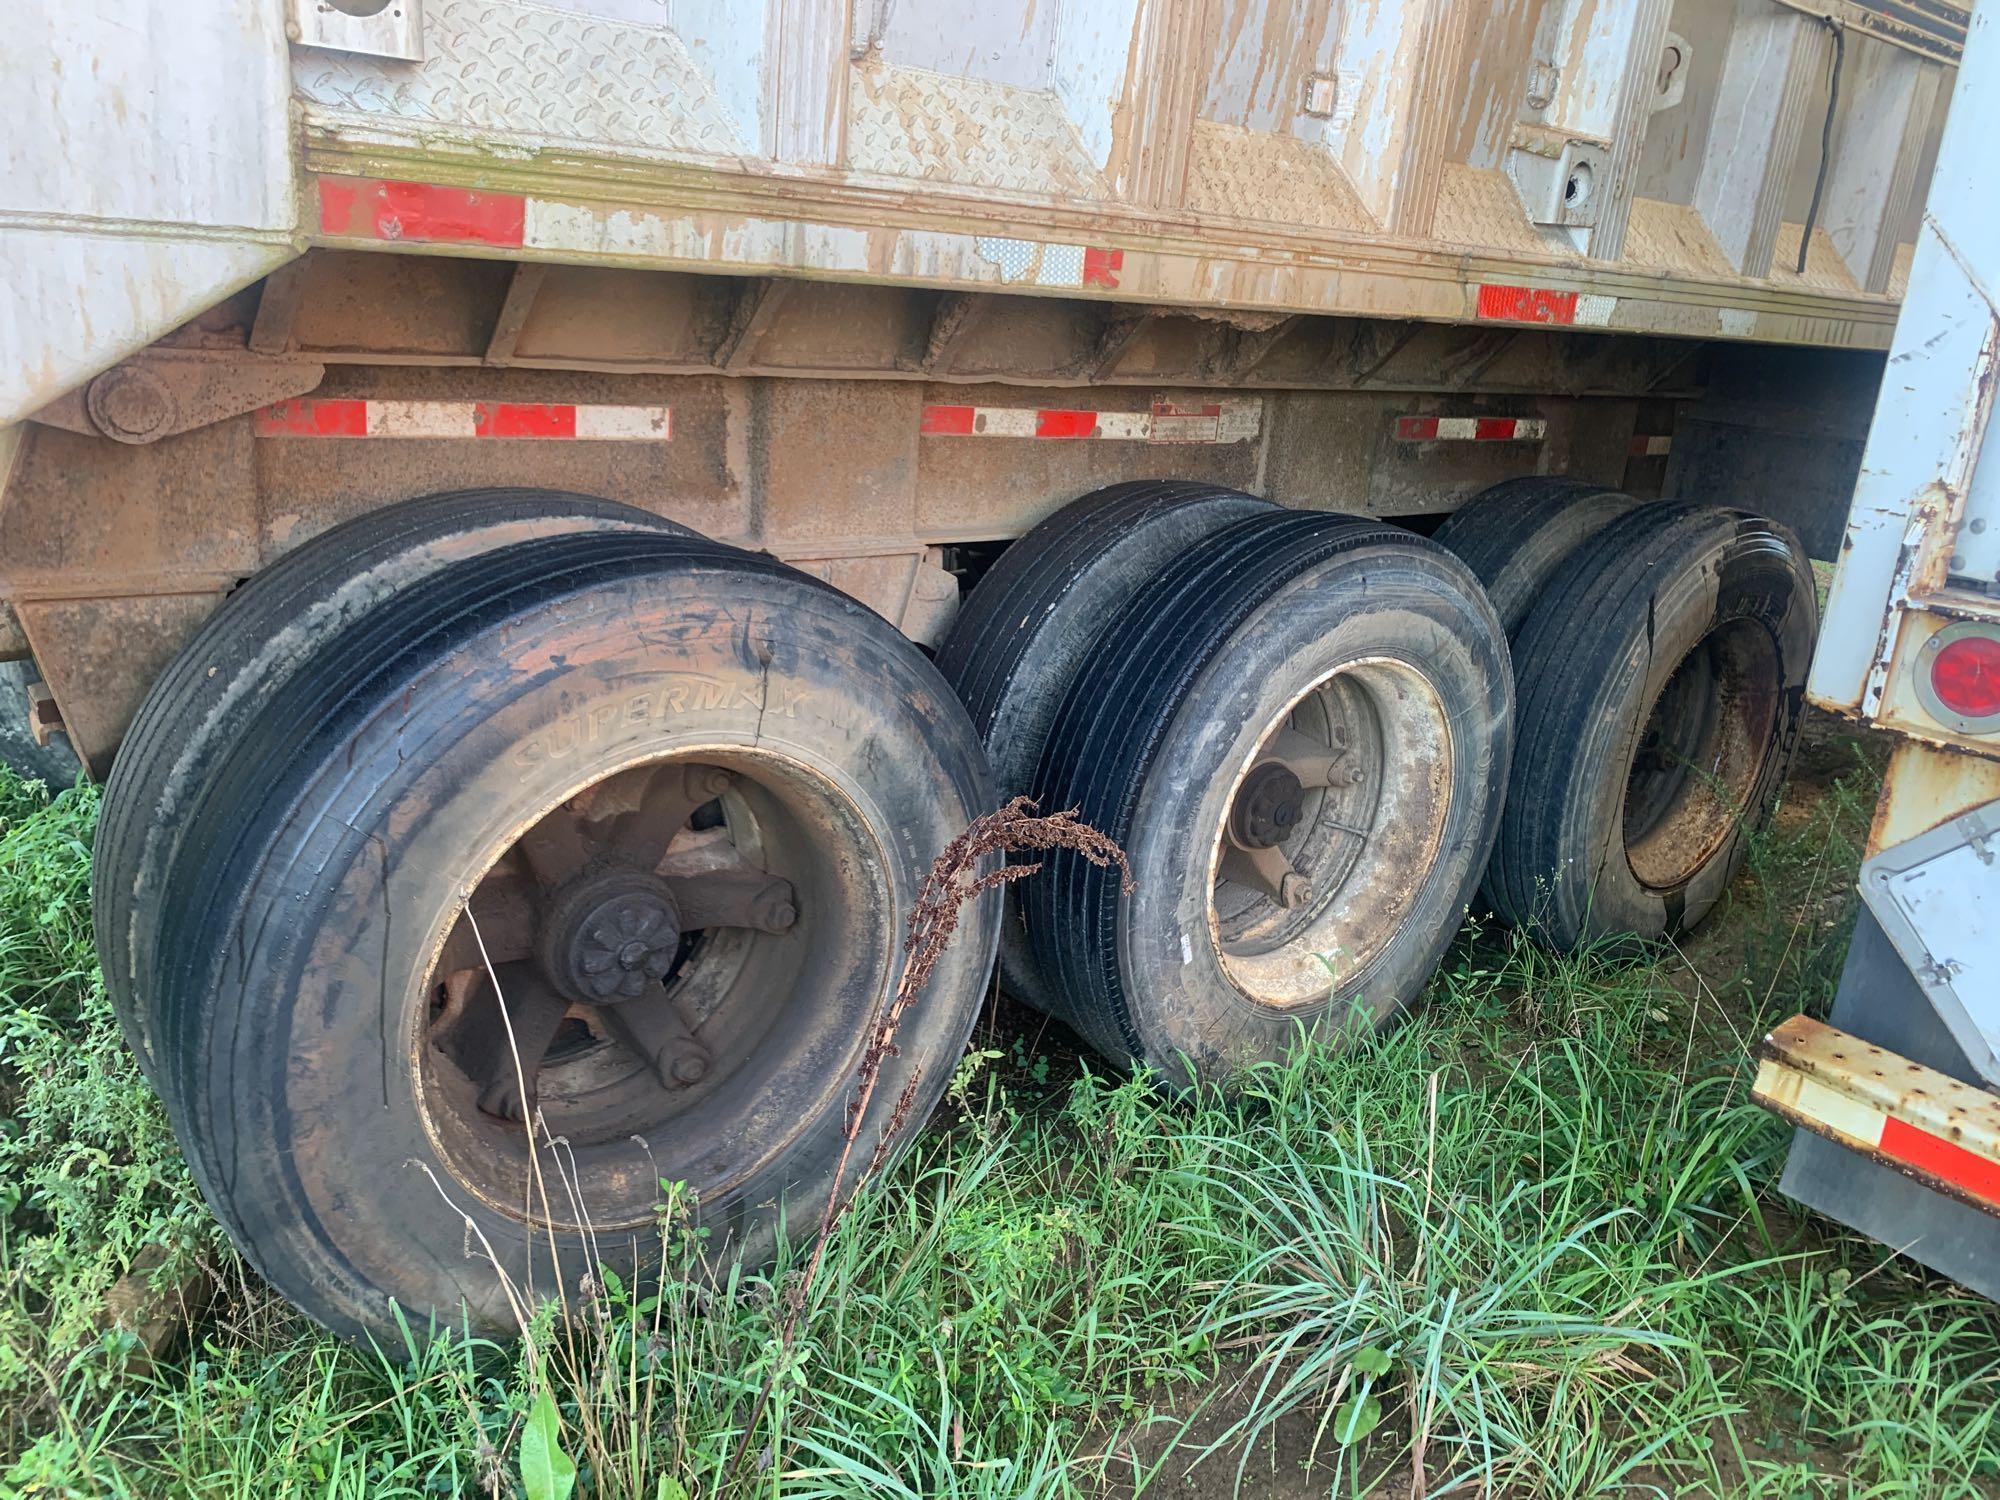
(1531,1238)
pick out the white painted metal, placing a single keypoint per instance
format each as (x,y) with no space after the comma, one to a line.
(1938,899)
(1924,492)
(145,173)
(1976,549)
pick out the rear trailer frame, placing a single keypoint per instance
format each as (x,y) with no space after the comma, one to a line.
(1899,1127)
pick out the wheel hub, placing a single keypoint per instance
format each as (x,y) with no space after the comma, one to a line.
(610,935)
(1268,807)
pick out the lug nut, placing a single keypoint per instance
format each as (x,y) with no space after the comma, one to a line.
(688,1068)
(775,910)
(1294,890)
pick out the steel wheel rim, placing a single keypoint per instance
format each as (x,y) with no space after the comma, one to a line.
(1697,758)
(766,1004)
(1371,749)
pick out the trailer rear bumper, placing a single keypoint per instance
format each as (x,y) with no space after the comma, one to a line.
(1881,1019)
(1923,1123)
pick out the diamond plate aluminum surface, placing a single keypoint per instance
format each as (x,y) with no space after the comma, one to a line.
(1251,174)
(1825,270)
(499,68)
(1672,237)
(909,122)
(1477,207)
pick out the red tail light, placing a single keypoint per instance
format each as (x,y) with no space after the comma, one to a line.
(1965,674)
(1958,677)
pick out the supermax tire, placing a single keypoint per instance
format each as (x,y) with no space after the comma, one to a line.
(328,850)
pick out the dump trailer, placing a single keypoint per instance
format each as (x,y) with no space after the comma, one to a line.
(1894,1092)
(548,516)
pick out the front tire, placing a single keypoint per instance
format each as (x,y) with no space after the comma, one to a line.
(550,737)
(242,655)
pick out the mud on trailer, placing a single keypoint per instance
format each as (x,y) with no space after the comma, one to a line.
(548,516)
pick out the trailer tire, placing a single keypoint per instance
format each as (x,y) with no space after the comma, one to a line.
(460,726)
(1030,624)
(1299,645)
(1514,535)
(246,650)
(1661,682)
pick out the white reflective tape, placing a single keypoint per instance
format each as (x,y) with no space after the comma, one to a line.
(1208,423)
(1827,1108)
(1125,424)
(625,423)
(421,419)
(1594,310)
(1005,421)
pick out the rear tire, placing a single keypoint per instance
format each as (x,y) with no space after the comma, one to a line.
(245,651)
(1514,536)
(1360,662)
(1028,627)
(1661,681)
(320,985)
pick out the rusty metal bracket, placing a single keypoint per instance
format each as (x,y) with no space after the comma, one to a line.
(1925,1124)
(161,393)
(44,718)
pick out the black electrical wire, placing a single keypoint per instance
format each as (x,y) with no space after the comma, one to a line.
(1825,135)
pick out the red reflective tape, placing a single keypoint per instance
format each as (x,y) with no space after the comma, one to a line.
(1416,429)
(379,209)
(1526,304)
(1494,429)
(952,420)
(339,203)
(1101,267)
(523,419)
(1941,1158)
(312,419)
(1065,424)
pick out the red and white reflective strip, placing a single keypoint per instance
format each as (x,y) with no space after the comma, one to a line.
(379,208)
(1922,1122)
(1502,303)
(1471,429)
(1649,445)
(349,418)
(1233,421)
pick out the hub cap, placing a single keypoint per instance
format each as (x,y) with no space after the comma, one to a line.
(1334,822)
(643,972)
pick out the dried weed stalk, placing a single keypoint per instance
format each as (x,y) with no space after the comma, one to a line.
(952,880)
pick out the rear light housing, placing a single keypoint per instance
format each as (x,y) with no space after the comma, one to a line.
(1958,677)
